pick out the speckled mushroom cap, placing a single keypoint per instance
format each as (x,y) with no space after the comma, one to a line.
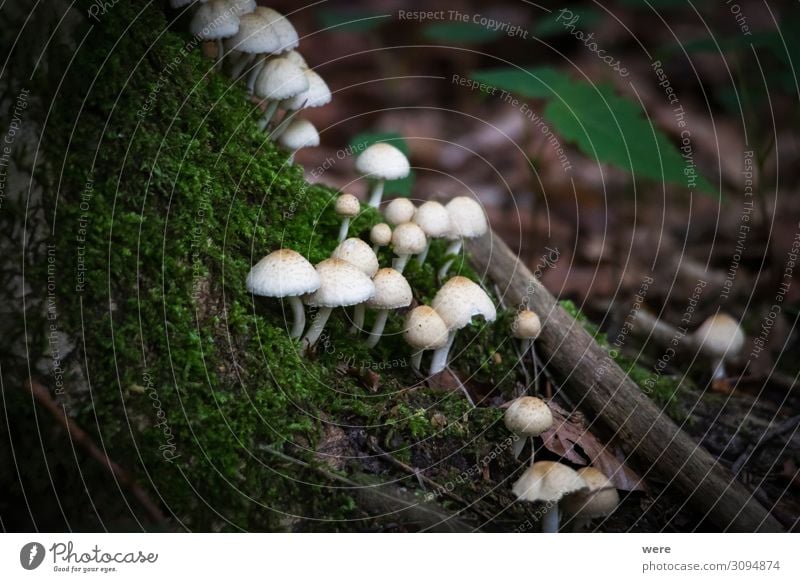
(300,133)
(296,58)
(383,161)
(720,335)
(392,291)
(425,329)
(358,253)
(256,35)
(347,205)
(283,273)
(285,32)
(601,498)
(467,219)
(527,325)
(547,481)
(280,79)
(399,210)
(341,284)
(459,300)
(213,20)
(433,219)
(528,416)
(381,234)
(408,239)
(317,94)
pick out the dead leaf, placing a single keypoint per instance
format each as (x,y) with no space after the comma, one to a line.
(570,439)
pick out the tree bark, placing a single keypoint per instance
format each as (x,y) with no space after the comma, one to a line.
(650,436)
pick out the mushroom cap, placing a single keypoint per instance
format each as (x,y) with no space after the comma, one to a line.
(283,273)
(408,239)
(425,329)
(242,7)
(383,161)
(280,79)
(433,218)
(392,291)
(459,300)
(317,94)
(256,34)
(300,133)
(359,254)
(528,416)
(547,481)
(399,210)
(601,499)
(296,58)
(341,284)
(527,325)
(467,219)
(381,234)
(283,29)
(214,19)
(720,335)
(347,205)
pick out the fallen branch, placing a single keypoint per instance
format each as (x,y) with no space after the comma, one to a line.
(602,389)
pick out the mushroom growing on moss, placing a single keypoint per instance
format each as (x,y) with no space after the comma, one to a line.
(341,285)
(284,38)
(526,328)
(380,235)
(467,220)
(358,253)
(285,273)
(317,95)
(347,206)
(299,134)
(434,220)
(424,330)
(392,291)
(279,79)
(548,482)
(399,210)
(215,20)
(407,240)
(256,36)
(600,500)
(721,337)
(527,418)
(381,162)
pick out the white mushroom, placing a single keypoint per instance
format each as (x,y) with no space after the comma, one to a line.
(347,206)
(547,482)
(299,134)
(600,500)
(358,253)
(424,330)
(526,328)
(317,95)
(527,417)
(215,20)
(380,236)
(399,210)
(381,162)
(392,291)
(256,36)
(721,337)
(284,36)
(279,79)
(434,220)
(467,220)
(407,240)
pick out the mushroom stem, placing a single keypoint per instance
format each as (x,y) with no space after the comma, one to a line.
(343,229)
(439,361)
(377,194)
(240,65)
(377,328)
(533,450)
(220,53)
(376,248)
(526,345)
(299,316)
(264,121)
(254,71)
(281,127)
(550,518)
(317,326)
(453,249)
(358,318)
(416,360)
(719,370)
(424,254)
(519,444)
(400,263)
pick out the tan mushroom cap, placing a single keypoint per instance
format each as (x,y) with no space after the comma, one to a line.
(317,94)
(280,79)
(300,133)
(547,481)
(381,234)
(601,499)
(347,205)
(341,284)
(399,210)
(425,329)
(283,273)
(214,19)
(527,325)
(392,290)
(528,416)
(358,253)
(408,239)
(720,335)
(467,219)
(383,161)
(459,300)
(433,219)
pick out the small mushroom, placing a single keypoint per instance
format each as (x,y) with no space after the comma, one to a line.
(317,95)
(392,291)
(527,418)
(256,36)
(358,253)
(215,20)
(526,328)
(548,482)
(721,337)
(434,220)
(285,273)
(296,58)
(341,285)
(600,500)
(424,330)
(457,302)
(399,210)
(299,134)
(347,206)
(380,236)
(279,79)
(381,162)
(407,240)
(467,220)
(284,37)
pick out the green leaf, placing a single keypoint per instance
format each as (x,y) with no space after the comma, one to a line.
(464,33)
(534,83)
(349,20)
(552,24)
(362,141)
